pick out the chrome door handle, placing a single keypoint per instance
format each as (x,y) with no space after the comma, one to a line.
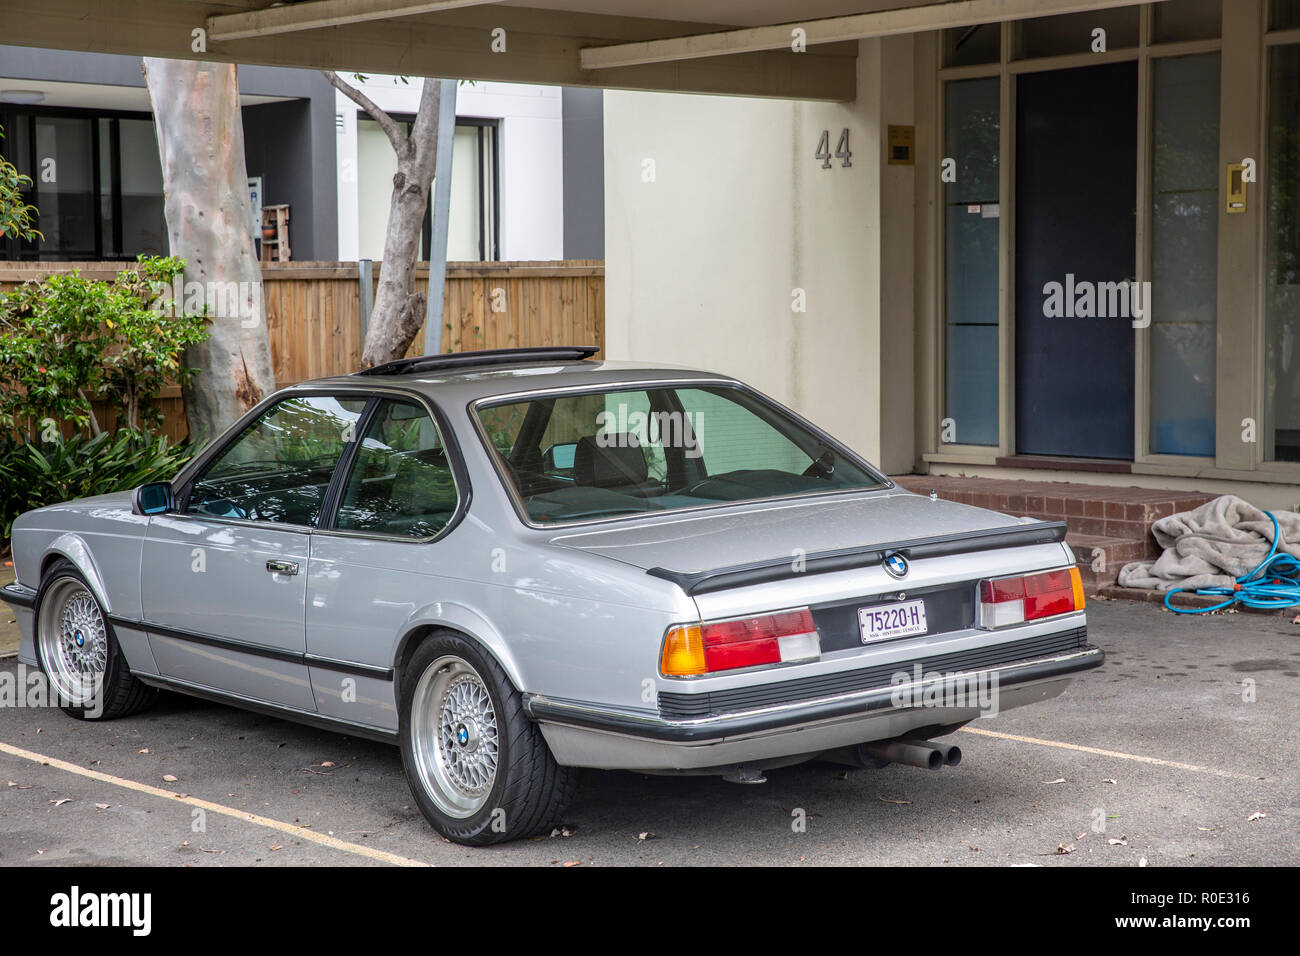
(282,567)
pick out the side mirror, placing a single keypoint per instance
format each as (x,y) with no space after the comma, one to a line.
(560,457)
(155,498)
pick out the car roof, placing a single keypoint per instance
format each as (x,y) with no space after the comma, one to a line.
(469,382)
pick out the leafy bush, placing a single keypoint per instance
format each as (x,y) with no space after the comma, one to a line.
(67,341)
(40,473)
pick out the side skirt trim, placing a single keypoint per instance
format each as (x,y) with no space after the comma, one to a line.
(319,721)
(257,650)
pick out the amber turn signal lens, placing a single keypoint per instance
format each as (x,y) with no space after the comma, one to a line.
(683,654)
(1077,583)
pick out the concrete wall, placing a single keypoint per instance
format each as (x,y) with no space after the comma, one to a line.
(716,210)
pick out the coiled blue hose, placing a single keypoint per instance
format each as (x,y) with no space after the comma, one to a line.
(1274,584)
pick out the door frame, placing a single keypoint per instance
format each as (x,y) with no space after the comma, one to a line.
(931,77)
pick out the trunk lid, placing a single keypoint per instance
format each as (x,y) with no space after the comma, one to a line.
(779,530)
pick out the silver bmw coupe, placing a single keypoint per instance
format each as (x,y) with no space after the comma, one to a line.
(517,563)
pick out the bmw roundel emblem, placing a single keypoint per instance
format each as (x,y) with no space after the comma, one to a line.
(896,565)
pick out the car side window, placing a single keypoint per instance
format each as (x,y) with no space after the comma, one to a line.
(401,483)
(279,467)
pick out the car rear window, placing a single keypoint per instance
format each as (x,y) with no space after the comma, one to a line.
(593,455)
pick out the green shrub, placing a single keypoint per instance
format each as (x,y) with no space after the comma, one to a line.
(67,341)
(38,473)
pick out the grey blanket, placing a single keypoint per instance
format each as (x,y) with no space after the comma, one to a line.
(1211,546)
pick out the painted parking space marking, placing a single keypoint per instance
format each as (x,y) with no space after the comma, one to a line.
(1156,761)
(312,836)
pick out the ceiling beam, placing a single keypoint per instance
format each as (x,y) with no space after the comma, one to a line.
(313,15)
(454,44)
(860,26)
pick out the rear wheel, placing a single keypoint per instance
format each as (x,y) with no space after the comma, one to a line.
(479,768)
(78,651)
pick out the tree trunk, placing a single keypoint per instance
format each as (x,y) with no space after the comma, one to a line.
(209,223)
(398,312)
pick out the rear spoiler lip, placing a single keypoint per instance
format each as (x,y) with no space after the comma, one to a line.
(965,542)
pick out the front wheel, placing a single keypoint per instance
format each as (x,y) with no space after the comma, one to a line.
(480,770)
(79,654)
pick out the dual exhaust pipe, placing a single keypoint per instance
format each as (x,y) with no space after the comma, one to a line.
(915,753)
(925,754)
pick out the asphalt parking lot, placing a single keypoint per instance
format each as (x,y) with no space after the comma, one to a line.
(1162,745)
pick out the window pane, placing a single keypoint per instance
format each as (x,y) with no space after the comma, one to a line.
(469,227)
(65,187)
(1282,288)
(144,225)
(971,261)
(963,46)
(606,454)
(402,483)
(16,147)
(1185,254)
(280,467)
(107,218)
(1187,20)
(1284,14)
(1073,32)
(463,223)
(376,166)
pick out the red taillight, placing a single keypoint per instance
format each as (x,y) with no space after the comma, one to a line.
(1047,595)
(1031,597)
(743,642)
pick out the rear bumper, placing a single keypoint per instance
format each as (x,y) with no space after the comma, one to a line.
(585,736)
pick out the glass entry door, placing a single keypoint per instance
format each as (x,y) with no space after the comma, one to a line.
(1076,152)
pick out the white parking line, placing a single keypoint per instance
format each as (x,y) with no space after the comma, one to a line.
(1195,768)
(279,825)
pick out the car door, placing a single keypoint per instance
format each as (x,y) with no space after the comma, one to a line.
(376,562)
(223,579)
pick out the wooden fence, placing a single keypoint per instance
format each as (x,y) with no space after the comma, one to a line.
(313,312)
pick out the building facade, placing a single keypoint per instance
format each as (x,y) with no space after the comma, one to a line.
(80,125)
(1062,247)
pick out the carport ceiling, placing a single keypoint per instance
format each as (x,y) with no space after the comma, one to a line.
(708,46)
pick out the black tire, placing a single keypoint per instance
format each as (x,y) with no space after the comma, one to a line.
(529,791)
(122,692)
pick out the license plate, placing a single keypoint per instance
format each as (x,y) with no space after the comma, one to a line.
(884,621)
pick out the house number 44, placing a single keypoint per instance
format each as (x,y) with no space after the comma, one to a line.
(842,151)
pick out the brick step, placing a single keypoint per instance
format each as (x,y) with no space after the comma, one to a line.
(1103,511)
(1100,557)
